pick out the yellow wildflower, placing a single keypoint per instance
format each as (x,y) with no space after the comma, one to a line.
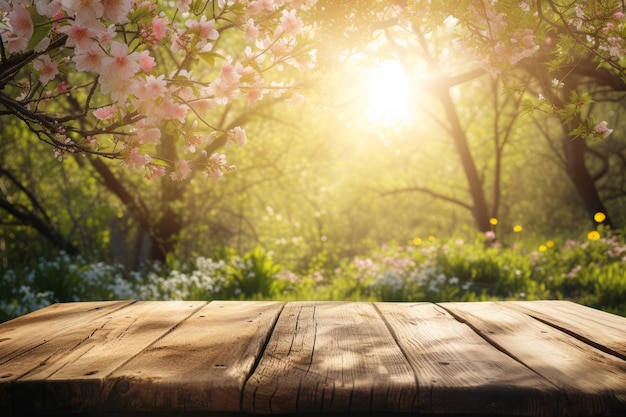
(593,235)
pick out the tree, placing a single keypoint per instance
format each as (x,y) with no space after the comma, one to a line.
(530,47)
(582,54)
(157,88)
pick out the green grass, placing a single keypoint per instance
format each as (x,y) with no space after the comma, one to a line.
(591,272)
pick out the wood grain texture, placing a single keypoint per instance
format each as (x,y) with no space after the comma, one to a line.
(330,357)
(77,362)
(543,358)
(459,372)
(28,343)
(603,330)
(201,365)
(591,382)
(31,330)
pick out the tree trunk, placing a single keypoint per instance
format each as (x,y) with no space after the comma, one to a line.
(576,169)
(35,217)
(480,208)
(575,149)
(164,229)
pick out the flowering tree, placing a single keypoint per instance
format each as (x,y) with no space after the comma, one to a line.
(160,86)
(117,78)
(559,58)
(576,54)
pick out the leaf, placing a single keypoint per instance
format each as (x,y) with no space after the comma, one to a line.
(209,57)
(41,28)
(140,14)
(39,33)
(528,106)
(160,162)
(580,131)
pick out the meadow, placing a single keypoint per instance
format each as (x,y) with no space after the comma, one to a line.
(590,270)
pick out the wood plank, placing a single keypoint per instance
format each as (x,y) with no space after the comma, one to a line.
(330,357)
(601,329)
(67,373)
(201,365)
(592,381)
(25,341)
(458,372)
(28,331)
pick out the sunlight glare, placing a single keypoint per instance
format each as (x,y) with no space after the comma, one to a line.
(387,90)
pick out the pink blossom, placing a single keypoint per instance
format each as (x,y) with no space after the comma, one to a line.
(203,27)
(105,113)
(80,32)
(238,136)
(216,166)
(191,143)
(227,84)
(154,171)
(47,67)
(178,42)
(121,64)
(182,169)
(185,94)
(119,89)
(202,106)
(603,130)
(159,28)
(146,133)
(136,159)
(257,6)
(500,49)
(618,15)
(21,22)
(255,92)
(63,87)
(169,110)
(106,37)
(253,30)
(289,23)
(85,9)
(146,61)
(116,11)
(48,8)
(151,88)
(89,59)
(529,38)
(183,5)
(17,44)
(250,56)
(281,47)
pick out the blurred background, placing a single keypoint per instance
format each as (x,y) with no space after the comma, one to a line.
(407,172)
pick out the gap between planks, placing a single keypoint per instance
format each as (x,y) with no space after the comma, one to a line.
(259,356)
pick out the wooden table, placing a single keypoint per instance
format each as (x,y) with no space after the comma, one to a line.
(542,358)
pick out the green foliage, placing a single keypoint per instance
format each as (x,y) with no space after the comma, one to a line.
(591,272)
(253,275)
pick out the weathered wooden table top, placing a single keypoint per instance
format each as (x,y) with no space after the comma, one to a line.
(541,358)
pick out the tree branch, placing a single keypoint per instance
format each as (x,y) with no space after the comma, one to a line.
(430,193)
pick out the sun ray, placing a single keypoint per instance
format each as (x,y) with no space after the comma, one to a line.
(387,94)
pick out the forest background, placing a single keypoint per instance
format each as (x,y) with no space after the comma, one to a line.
(449,151)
